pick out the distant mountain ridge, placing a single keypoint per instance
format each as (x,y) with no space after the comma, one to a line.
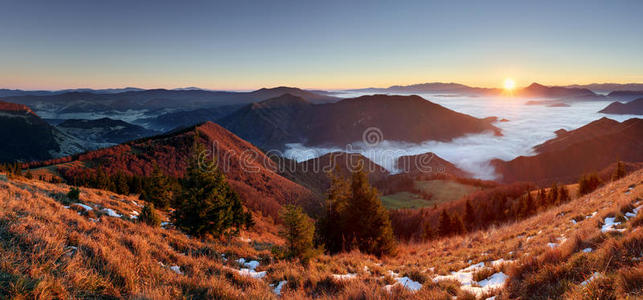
(626,95)
(556,92)
(630,108)
(148,103)
(289,119)
(572,153)
(104,130)
(26,137)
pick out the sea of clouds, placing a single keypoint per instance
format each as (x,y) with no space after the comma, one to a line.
(527,126)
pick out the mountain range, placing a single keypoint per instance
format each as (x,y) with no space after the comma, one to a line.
(287,119)
(26,137)
(634,107)
(589,148)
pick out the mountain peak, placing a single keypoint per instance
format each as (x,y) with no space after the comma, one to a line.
(15,108)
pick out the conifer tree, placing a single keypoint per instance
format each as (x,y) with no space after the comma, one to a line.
(563,194)
(149,216)
(207,204)
(619,172)
(428,232)
(553,194)
(158,189)
(369,223)
(298,231)
(457,224)
(469,216)
(445,228)
(331,225)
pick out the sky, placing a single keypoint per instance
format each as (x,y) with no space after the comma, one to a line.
(243,45)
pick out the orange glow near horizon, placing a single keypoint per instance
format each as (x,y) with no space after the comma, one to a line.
(509,84)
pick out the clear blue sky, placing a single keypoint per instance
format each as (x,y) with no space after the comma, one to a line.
(316,44)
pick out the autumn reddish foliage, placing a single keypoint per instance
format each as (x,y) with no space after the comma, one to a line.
(247,169)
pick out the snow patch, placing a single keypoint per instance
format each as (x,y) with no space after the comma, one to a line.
(110,212)
(596,275)
(251,273)
(85,207)
(610,224)
(279,286)
(406,282)
(345,276)
(587,250)
(176,270)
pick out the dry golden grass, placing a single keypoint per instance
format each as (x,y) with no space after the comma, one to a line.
(50,251)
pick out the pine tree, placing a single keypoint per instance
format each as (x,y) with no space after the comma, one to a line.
(542,198)
(445,228)
(469,216)
(619,172)
(158,190)
(121,184)
(563,194)
(553,194)
(207,204)
(330,227)
(149,216)
(427,231)
(588,183)
(368,220)
(298,231)
(457,224)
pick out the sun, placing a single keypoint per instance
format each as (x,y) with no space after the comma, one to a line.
(510,84)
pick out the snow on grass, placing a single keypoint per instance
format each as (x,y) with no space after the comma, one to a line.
(253,264)
(495,281)
(465,277)
(83,206)
(610,224)
(344,276)
(500,262)
(176,270)
(251,273)
(110,212)
(587,250)
(405,282)
(594,276)
(277,289)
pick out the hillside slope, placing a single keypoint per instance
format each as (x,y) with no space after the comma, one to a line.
(53,248)
(572,153)
(26,137)
(248,170)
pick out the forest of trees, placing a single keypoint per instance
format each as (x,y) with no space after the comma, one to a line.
(480,210)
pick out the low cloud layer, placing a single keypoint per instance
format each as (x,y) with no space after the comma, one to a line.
(527,126)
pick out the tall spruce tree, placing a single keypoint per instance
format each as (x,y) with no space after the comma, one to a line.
(469,216)
(298,231)
(619,172)
(207,204)
(158,189)
(445,226)
(331,225)
(367,219)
